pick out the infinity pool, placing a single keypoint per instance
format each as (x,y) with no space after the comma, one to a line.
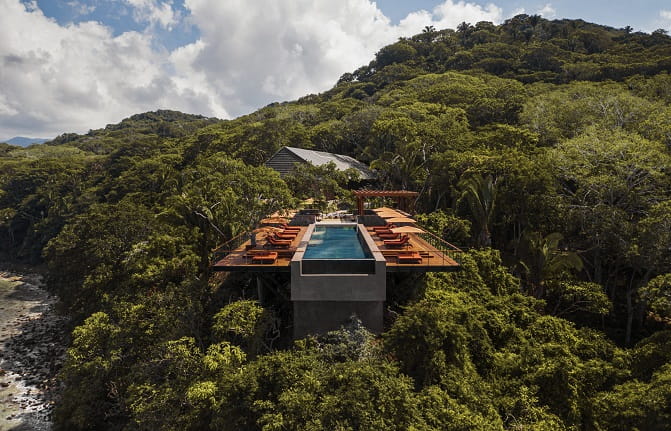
(336,242)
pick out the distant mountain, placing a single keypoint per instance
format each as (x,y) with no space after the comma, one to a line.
(22,141)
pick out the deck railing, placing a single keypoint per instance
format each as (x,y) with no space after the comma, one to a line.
(223,250)
(441,245)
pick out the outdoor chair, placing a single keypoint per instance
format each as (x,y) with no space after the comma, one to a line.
(409,257)
(285,235)
(389,236)
(277,242)
(265,257)
(385,227)
(405,239)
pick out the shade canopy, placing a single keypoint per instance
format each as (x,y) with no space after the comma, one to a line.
(383,209)
(389,215)
(266,231)
(401,220)
(275,220)
(407,229)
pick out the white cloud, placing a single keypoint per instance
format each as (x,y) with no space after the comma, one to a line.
(547,11)
(666,15)
(252,53)
(154,12)
(450,14)
(57,78)
(77,77)
(662,21)
(81,9)
(659,20)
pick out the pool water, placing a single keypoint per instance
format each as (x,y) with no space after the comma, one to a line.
(335,242)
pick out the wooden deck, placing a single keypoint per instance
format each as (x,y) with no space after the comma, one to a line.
(432,259)
(240,259)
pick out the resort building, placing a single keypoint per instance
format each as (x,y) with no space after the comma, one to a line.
(332,270)
(286,158)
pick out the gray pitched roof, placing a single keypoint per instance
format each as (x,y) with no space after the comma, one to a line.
(319,158)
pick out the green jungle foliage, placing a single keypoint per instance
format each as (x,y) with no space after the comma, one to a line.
(541,147)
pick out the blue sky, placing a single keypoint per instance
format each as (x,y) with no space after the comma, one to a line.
(75,65)
(119,15)
(642,15)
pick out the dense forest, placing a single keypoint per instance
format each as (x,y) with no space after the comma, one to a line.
(542,148)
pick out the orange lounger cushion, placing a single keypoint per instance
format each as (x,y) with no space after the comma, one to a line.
(409,257)
(397,242)
(279,242)
(268,256)
(285,235)
(389,235)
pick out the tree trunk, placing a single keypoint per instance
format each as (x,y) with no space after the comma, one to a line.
(485,237)
(630,310)
(440,197)
(598,274)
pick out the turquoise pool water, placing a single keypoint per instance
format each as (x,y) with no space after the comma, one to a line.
(335,242)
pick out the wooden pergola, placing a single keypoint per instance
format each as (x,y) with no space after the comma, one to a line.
(403,198)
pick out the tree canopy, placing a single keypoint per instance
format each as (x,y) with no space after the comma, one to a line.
(540,147)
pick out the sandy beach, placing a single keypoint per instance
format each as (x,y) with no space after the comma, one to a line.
(31,352)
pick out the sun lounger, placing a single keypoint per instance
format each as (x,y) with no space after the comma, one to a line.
(409,257)
(264,257)
(385,227)
(405,239)
(282,235)
(286,227)
(389,235)
(278,242)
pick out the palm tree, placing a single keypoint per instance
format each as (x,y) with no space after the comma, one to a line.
(541,259)
(480,195)
(429,33)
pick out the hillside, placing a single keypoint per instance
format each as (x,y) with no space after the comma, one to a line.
(526,48)
(540,147)
(138,129)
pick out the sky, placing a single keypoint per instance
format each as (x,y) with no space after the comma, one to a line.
(75,65)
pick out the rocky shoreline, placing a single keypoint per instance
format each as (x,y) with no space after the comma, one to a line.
(32,347)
